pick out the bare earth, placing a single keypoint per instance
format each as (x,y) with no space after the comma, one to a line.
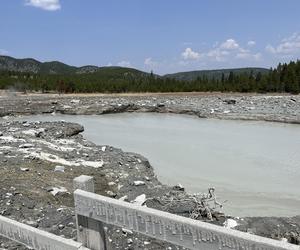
(28,159)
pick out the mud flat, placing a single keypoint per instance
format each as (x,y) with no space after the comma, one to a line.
(39,160)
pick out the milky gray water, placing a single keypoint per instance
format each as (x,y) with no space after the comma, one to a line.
(254,166)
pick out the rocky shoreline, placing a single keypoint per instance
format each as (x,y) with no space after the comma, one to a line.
(274,108)
(39,160)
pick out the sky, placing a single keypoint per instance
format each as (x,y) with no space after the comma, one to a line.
(165,36)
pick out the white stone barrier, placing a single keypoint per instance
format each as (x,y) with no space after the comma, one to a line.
(164,226)
(35,238)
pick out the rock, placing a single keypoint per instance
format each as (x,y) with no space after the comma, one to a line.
(230,101)
(8,195)
(293,238)
(24,169)
(230,223)
(124,198)
(72,129)
(111,194)
(140,200)
(59,169)
(71,224)
(184,207)
(129,241)
(75,101)
(58,190)
(6,212)
(178,187)
(26,145)
(61,226)
(30,204)
(32,223)
(139,183)
(49,189)
(126,231)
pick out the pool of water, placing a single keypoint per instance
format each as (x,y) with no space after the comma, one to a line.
(254,166)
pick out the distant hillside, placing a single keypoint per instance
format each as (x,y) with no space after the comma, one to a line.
(30,65)
(32,75)
(8,63)
(210,74)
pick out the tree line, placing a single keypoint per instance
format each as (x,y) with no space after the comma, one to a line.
(284,78)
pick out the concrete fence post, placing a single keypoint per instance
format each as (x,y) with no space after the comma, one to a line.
(90,232)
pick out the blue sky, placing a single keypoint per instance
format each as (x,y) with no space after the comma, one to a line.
(161,35)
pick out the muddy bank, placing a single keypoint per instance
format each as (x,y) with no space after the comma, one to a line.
(39,161)
(277,108)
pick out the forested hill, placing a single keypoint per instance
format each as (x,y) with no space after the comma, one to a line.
(214,74)
(29,65)
(32,75)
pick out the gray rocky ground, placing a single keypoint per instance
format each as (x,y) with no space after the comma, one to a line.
(38,161)
(280,108)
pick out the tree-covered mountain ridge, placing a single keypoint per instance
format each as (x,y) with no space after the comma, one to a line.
(30,65)
(215,73)
(32,75)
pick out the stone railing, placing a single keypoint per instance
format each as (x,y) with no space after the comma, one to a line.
(92,210)
(34,238)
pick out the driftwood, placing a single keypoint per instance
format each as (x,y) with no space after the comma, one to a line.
(205,205)
(197,206)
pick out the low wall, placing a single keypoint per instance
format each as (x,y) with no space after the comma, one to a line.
(35,238)
(168,227)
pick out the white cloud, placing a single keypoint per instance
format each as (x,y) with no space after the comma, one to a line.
(251,43)
(249,56)
(223,52)
(242,50)
(3,52)
(270,48)
(50,5)
(289,45)
(126,64)
(109,64)
(189,54)
(150,63)
(293,37)
(230,44)
(217,54)
(230,49)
